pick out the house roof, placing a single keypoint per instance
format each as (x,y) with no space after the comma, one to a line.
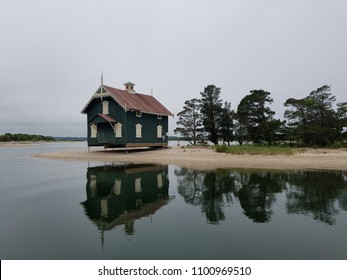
(131,101)
(106,117)
(102,118)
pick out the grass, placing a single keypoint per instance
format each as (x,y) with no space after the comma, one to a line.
(255,150)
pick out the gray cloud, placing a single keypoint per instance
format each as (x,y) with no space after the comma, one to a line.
(53,52)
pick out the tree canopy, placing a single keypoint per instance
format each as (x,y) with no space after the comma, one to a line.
(189,121)
(8,137)
(227,123)
(314,120)
(254,114)
(211,111)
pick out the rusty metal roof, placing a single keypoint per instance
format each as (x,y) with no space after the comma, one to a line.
(132,101)
(106,117)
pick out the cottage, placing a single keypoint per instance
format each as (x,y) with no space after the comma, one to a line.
(125,118)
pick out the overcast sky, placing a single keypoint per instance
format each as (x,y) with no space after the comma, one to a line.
(52,54)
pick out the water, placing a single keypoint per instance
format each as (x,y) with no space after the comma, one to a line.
(52,209)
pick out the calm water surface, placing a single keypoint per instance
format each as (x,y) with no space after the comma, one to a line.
(51,209)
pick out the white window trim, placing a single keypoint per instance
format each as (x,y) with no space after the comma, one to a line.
(118,130)
(94,131)
(138,114)
(117,187)
(138,187)
(105,108)
(104,207)
(159,131)
(138,128)
(160,180)
(159,117)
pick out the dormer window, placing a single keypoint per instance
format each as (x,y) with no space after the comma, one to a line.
(138,114)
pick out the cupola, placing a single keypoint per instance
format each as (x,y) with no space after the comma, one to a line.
(129,87)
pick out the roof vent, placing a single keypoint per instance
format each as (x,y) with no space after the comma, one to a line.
(129,87)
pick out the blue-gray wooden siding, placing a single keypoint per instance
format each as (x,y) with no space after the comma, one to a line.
(106,135)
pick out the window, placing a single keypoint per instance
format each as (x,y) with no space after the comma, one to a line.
(118,130)
(93,130)
(105,107)
(138,114)
(138,130)
(117,187)
(104,208)
(159,131)
(92,186)
(138,185)
(160,180)
(159,117)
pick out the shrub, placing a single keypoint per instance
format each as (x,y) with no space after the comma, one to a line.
(255,150)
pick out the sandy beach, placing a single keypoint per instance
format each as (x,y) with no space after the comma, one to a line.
(207,158)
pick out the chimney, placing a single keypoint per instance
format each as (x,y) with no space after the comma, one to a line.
(129,87)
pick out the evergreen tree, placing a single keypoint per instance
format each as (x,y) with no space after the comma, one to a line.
(254,115)
(226,123)
(240,132)
(312,120)
(299,117)
(189,121)
(211,110)
(324,125)
(342,120)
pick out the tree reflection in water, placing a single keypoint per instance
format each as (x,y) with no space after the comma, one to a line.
(211,190)
(320,195)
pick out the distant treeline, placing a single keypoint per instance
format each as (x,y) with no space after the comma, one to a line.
(182,138)
(70,138)
(8,137)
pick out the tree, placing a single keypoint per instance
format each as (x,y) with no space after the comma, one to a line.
(342,120)
(240,132)
(324,129)
(24,137)
(211,110)
(312,120)
(299,117)
(226,123)
(254,115)
(189,120)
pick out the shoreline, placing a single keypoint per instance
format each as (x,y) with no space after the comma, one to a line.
(20,144)
(33,143)
(207,159)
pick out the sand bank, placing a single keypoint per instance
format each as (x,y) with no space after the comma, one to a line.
(207,158)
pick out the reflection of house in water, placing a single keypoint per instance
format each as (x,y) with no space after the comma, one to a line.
(120,194)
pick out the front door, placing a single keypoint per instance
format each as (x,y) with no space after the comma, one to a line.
(105,133)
